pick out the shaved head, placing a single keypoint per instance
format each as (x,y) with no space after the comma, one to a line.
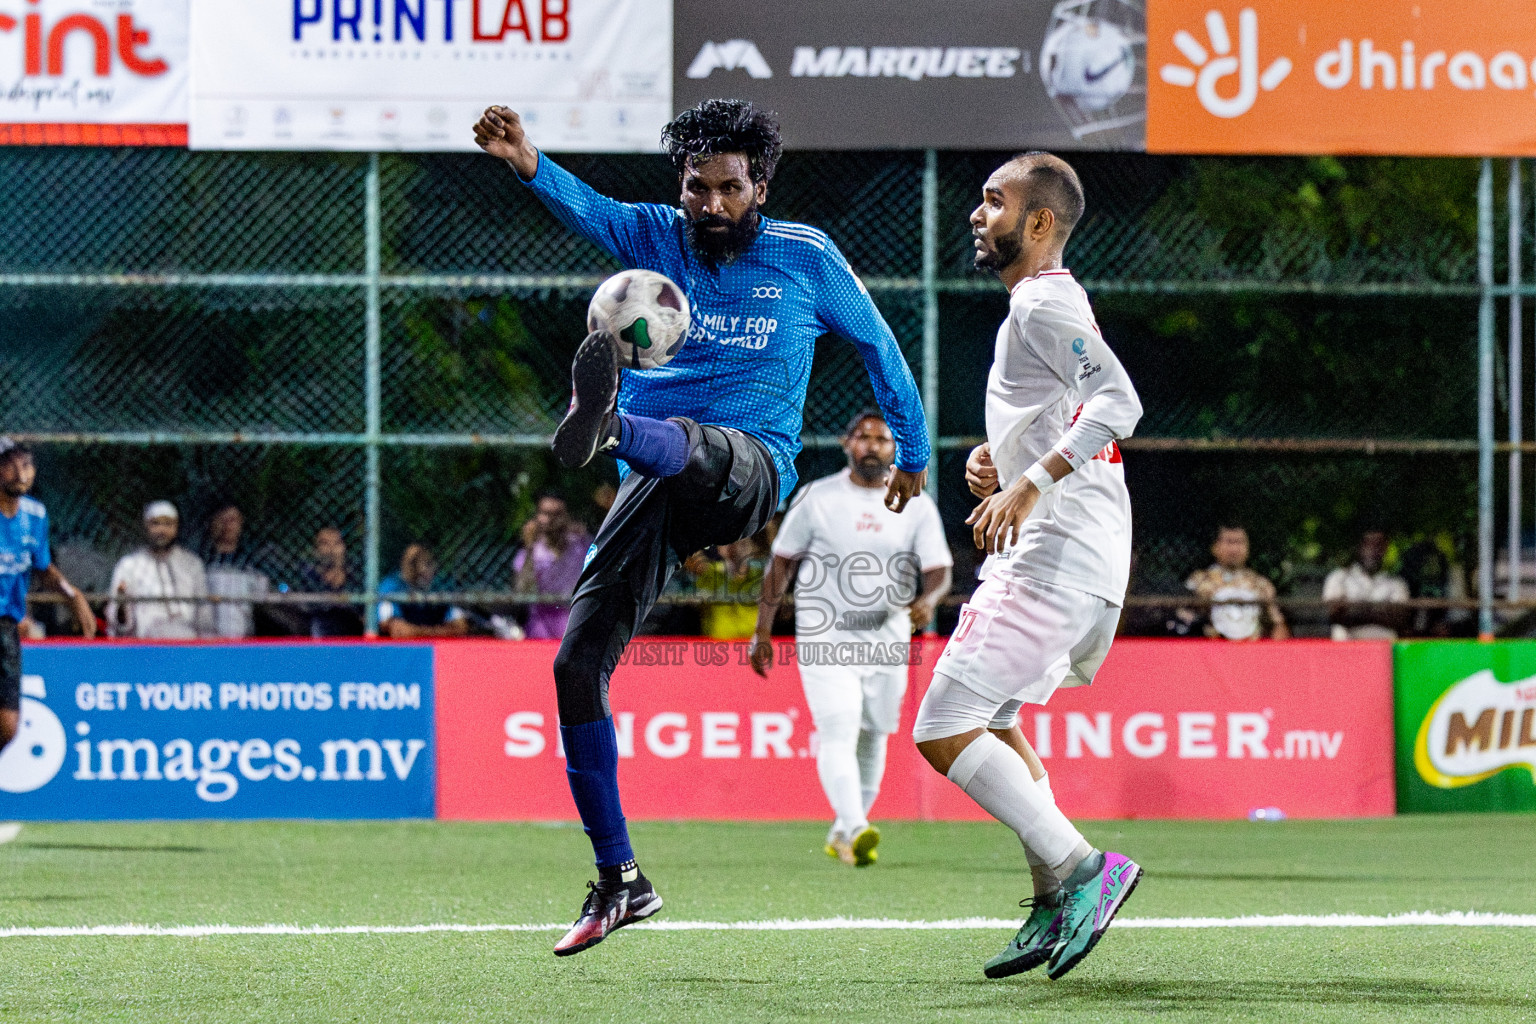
(1044,181)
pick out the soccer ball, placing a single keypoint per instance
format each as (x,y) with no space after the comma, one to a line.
(646,311)
(1089,61)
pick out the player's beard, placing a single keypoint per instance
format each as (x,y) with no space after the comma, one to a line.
(1005,250)
(871,469)
(722,248)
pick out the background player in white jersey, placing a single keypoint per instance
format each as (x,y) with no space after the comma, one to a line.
(866,577)
(1055,520)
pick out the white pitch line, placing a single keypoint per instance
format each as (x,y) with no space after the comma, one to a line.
(1417,919)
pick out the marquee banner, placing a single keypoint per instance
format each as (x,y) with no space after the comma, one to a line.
(414,75)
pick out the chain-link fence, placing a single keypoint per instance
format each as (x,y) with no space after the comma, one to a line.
(381,343)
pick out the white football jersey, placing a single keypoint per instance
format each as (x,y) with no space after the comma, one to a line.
(860,563)
(1056,386)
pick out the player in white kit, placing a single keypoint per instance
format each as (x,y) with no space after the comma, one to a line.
(865,578)
(1055,520)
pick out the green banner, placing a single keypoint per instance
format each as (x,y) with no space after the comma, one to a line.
(1466,726)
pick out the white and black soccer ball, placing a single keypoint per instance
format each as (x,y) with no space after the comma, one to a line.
(647,312)
(1089,61)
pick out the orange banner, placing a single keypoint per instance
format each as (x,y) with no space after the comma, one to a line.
(1409,77)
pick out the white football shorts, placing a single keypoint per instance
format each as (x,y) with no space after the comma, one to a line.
(1018,639)
(847,699)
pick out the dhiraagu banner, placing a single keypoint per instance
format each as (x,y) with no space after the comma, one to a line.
(1466,726)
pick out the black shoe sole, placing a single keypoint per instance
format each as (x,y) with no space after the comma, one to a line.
(594,386)
(1019,966)
(651,911)
(1093,940)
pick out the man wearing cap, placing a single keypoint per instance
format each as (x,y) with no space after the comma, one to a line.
(23,551)
(169,575)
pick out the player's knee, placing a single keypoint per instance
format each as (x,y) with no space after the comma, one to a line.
(8,721)
(578,688)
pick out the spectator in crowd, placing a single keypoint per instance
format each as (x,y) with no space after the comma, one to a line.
(1230,579)
(1351,591)
(326,573)
(402,620)
(735,584)
(166,573)
(550,562)
(1430,570)
(231,576)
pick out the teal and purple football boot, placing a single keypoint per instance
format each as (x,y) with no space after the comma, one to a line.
(1092,895)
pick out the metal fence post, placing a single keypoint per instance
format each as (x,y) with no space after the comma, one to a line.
(373,391)
(1516,399)
(931,311)
(1485,400)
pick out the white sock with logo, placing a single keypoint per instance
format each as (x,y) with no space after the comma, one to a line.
(992,774)
(837,764)
(871,755)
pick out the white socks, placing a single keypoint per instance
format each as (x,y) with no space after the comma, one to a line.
(871,765)
(837,764)
(998,779)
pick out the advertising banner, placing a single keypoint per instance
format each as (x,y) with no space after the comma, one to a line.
(211,731)
(1466,726)
(970,74)
(93,72)
(1171,729)
(586,75)
(1407,77)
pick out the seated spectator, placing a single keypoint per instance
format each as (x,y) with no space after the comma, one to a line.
(231,575)
(406,621)
(550,563)
(735,583)
(327,573)
(163,570)
(1230,579)
(1430,571)
(1350,591)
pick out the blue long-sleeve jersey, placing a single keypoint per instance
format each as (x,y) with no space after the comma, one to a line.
(747,360)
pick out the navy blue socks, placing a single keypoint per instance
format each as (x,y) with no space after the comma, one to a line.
(592,769)
(656,448)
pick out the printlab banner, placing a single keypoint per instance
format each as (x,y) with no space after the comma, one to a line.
(587,75)
(970,74)
(93,72)
(1466,726)
(1409,77)
(192,731)
(1186,729)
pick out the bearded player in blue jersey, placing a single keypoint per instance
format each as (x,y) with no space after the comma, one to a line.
(707,443)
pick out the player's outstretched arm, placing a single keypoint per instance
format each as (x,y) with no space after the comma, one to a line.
(845,307)
(500,133)
(627,231)
(83,615)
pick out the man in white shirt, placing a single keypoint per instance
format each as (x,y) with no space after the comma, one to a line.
(1055,520)
(866,577)
(1352,590)
(165,570)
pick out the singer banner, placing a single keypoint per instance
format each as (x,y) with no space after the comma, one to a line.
(1170,729)
(586,75)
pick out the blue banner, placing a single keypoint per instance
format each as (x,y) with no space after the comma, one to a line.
(218,731)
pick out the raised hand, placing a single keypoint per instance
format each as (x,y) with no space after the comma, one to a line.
(500,133)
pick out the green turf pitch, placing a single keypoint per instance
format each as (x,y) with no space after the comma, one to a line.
(420,873)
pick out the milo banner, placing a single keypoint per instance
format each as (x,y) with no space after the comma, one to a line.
(1466,726)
